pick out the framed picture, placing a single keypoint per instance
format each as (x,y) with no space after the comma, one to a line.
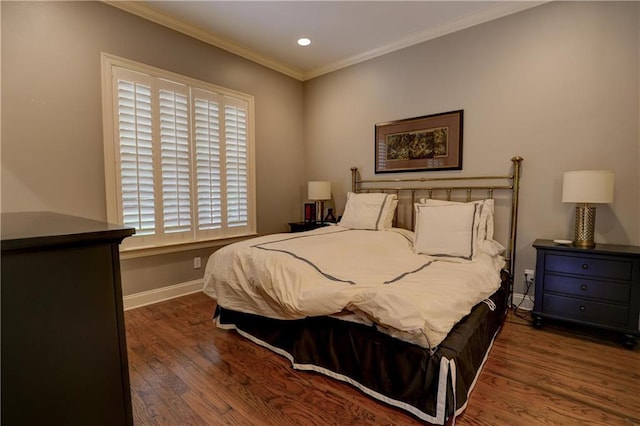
(431,142)
(309,212)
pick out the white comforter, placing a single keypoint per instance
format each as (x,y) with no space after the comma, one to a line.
(374,274)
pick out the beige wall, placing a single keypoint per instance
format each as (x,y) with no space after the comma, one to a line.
(52,151)
(557,84)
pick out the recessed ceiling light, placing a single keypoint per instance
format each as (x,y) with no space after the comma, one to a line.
(304,41)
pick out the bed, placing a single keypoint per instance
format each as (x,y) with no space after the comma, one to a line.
(402,298)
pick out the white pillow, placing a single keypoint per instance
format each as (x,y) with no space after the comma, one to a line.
(489,208)
(369,211)
(492,247)
(445,230)
(478,235)
(391,212)
(484,216)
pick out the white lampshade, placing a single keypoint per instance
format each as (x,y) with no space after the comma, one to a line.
(319,190)
(588,186)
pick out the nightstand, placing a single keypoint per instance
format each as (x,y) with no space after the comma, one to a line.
(305,226)
(598,287)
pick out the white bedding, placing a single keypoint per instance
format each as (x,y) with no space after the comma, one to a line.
(374,274)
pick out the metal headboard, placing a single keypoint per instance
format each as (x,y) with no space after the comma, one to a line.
(410,185)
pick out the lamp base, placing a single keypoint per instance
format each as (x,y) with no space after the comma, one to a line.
(584,244)
(585,226)
(319,211)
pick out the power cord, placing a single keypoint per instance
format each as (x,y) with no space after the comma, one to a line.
(528,284)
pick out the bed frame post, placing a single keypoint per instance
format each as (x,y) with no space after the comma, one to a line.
(354,179)
(517,164)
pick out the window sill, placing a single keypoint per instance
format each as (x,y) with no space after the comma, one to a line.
(133,253)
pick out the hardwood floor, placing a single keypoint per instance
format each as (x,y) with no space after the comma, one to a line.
(185,371)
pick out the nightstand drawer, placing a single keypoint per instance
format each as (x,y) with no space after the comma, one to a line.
(588,311)
(582,287)
(591,266)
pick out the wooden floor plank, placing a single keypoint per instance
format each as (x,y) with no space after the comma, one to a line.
(185,370)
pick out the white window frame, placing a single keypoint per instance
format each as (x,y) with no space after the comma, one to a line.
(113,66)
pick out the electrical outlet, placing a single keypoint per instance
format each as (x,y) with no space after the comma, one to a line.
(197,263)
(529,276)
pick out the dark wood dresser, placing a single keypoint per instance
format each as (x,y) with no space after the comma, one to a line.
(597,287)
(64,353)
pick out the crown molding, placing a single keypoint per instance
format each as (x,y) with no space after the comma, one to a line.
(154,15)
(500,10)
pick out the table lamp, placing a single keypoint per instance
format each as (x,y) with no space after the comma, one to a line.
(319,191)
(586,187)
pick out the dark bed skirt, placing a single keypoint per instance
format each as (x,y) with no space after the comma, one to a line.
(398,373)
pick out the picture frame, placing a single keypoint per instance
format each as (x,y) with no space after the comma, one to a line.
(309,212)
(427,143)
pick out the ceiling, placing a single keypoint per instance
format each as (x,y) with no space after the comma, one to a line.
(342,33)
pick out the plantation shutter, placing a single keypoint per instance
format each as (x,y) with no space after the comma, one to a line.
(236,161)
(208,159)
(134,117)
(175,157)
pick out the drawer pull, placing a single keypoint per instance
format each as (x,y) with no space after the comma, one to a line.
(585,266)
(582,308)
(583,287)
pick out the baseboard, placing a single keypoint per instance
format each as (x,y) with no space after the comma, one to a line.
(526,304)
(161,294)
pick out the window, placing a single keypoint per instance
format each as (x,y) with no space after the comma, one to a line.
(178,156)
